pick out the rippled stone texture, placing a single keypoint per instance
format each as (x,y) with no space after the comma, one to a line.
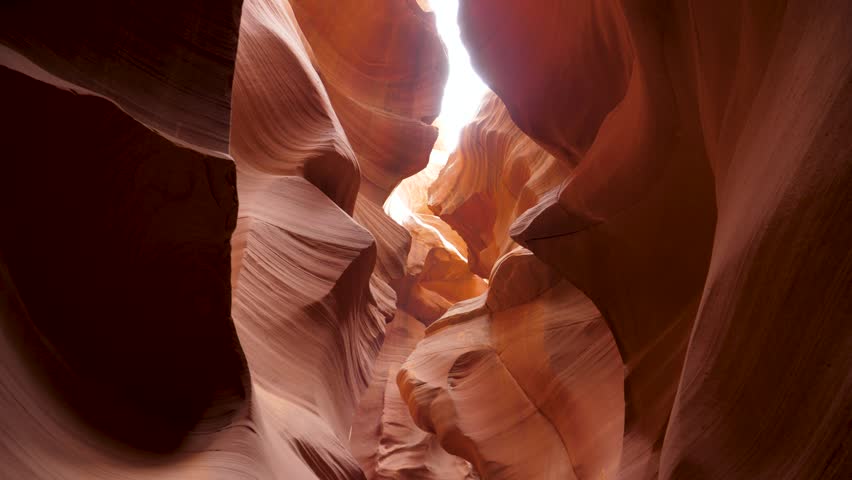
(197,278)
(494,176)
(530,359)
(384,68)
(157,364)
(167,64)
(385,439)
(284,123)
(303,299)
(706,142)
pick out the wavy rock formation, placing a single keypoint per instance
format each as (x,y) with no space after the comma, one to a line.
(303,298)
(284,123)
(437,274)
(385,95)
(437,277)
(668,120)
(494,175)
(305,295)
(636,172)
(386,441)
(116,285)
(544,347)
(772,340)
(168,65)
(198,278)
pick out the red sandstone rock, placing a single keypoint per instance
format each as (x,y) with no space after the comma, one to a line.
(385,95)
(384,438)
(496,174)
(167,64)
(304,299)
(117,336)
(293,279)
(679,173)
(769,357)
(542,346)
(283,122)
(655,105)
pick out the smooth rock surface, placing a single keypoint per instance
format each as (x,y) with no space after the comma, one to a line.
(231,247)
(706,152)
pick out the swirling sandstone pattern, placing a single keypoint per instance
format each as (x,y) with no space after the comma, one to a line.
(385,439)
(544,347)
(283,120)
(672,116)
(303,298)
(495,174)
(167,64)
(308,311)
(769,358)
(384,69)
(198,280)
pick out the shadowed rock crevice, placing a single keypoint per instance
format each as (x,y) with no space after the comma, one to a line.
(233,244)
(145,225)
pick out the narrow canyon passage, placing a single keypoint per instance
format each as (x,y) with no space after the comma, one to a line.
(426,240)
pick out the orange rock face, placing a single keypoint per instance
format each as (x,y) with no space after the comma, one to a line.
(284,123)
(706,152)
(544,347)
(385,95)
(496,174)
(636,265)
(259,380)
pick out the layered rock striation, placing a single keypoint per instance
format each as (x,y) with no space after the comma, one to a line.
(636,264)
(706,156)
(216,308)
(531,358)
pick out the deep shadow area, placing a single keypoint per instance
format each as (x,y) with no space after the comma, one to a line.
(117,242)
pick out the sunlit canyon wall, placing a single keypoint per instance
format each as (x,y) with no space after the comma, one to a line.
(636,264)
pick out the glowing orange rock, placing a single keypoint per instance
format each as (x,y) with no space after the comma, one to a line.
(542,346)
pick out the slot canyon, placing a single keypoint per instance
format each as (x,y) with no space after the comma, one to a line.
(265,239)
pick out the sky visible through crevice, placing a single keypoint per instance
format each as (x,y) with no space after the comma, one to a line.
(464,90)
(462,95)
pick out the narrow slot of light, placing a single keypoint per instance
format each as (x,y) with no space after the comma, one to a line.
(464,90)
(462,95)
